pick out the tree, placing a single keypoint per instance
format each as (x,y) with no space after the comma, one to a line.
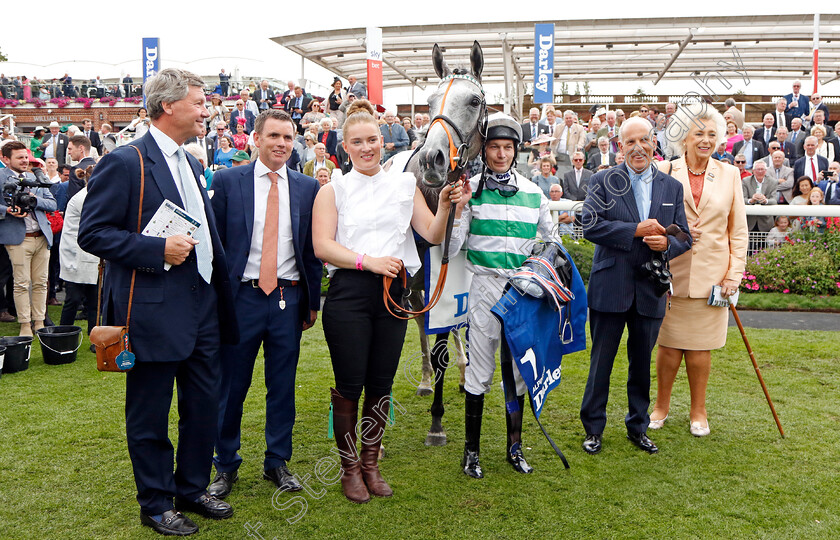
(564,88)
(3,57)
(586,88)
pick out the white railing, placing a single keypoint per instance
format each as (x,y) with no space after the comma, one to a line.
(757,240)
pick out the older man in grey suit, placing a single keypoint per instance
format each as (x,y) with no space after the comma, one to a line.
(575,183)
(783,174)
(760,189)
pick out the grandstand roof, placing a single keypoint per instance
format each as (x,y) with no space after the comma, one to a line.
(770,47)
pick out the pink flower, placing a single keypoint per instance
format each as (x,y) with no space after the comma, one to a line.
(786,291)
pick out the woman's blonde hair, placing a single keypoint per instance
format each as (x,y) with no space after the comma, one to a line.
(359,112)
(684,118)
(818,127)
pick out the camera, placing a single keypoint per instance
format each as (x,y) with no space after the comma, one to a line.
(16,194)
(657,271)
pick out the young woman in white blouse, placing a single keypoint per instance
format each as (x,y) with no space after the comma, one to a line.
(362,228)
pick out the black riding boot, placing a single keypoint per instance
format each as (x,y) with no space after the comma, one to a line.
(474,408)
(514,439)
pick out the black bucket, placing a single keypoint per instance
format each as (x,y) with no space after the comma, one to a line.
(59,344)
(2,358)
(17,353)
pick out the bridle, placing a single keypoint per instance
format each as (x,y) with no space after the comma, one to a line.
(457,164)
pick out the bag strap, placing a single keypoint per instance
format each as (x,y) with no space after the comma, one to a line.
(139,219)
(133,272)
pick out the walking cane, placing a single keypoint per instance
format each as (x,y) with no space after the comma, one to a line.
(757,371)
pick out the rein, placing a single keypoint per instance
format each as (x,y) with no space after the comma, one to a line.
(457,164)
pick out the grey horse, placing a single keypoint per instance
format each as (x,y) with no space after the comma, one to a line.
(454,137)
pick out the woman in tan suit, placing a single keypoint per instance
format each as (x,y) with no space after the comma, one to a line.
(714,208)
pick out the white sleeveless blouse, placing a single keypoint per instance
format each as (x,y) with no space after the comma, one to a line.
(374,216)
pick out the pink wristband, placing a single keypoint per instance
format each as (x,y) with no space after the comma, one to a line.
(359,259)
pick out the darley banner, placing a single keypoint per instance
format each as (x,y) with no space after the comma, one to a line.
(151,60)
(543,63)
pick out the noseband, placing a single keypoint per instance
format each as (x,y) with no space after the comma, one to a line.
(456,153)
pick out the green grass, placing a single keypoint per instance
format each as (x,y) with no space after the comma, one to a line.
(65,472)
(788,302)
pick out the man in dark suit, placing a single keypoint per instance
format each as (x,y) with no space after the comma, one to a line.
(785,146)
(241,112)
(55,144)
(92,135)
(811,164)
(276,290)
(780,115)
(179,312)
(829,183)
(296,106)
(206,143)
(264,96)
(79,150)
(575,183)
(767,132)
(625,213)
(532,128)
(797,104)
(816,105)
(603,157)
(796,138)
(752,149)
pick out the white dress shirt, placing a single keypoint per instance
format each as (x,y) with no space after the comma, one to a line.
(374,215)
(286,264)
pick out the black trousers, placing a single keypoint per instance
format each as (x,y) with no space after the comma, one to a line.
(607,329)
(55,266)
(76,294)
(5,280)
(365,340)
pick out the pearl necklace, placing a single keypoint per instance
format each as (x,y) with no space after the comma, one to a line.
(695,173)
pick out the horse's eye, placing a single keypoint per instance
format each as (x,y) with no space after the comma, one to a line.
(475,102)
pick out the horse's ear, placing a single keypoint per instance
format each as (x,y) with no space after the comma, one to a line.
(439,63)
(476,60)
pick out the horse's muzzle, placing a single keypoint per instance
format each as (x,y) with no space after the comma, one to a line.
(433,165)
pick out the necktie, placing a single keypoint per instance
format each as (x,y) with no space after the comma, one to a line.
(792,137)
(813,171)
(639,196)
(780,120)
(53,146)
(766,137)
(203,253)
(268,260)
(533,131)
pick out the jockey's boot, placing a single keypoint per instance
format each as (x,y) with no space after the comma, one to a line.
(474,408)
(345,413)
(514,439)
(374,416)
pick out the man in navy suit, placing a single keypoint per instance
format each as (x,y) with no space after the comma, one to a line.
(182,305)
(797,104)
(241,111)
(811,164)
(626,211)
(276,289)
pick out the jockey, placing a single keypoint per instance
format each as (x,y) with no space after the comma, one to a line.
(498,224)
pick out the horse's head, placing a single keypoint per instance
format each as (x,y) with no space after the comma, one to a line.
(459,112)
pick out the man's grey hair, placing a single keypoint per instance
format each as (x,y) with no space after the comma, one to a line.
(197,152)
(602,139)
(168,86)
(730,102)
(684,120)
(568,112)
(759,164)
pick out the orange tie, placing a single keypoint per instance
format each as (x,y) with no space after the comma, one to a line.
(268,260)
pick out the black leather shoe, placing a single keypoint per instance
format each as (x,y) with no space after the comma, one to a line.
(470,464)
(173,524)
(282,478)
(222,484)
(517,459)
(206,505)
(641,440)
(592,444)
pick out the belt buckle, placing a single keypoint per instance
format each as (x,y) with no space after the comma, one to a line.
(255,284)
